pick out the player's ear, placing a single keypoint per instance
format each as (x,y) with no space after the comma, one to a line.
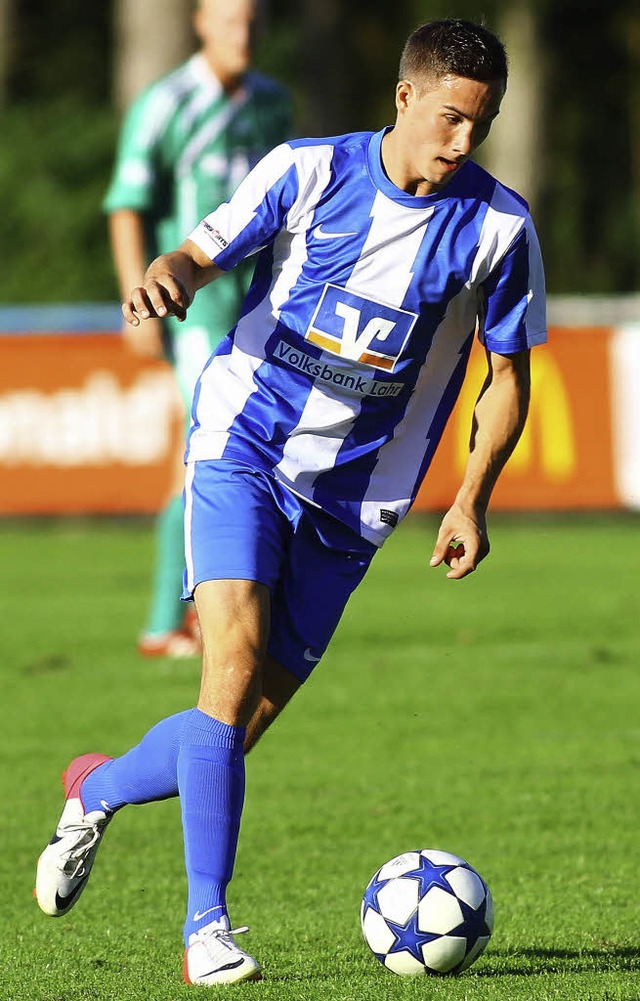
(405,94)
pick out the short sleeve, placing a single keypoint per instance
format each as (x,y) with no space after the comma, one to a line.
(255,213)
(134,178)
(512,308)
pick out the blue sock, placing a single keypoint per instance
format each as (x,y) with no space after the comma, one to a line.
(211,782)
(146,773)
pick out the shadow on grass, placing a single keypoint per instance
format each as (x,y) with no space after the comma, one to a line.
(47,664)
(527,962)
(499,963)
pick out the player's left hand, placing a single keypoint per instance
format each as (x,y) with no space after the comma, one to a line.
(462,543)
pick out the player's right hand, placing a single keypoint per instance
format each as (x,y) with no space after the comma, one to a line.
(462,542)
(156,298)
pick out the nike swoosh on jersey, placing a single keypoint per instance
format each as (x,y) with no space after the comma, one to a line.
(319,234)
(309,656)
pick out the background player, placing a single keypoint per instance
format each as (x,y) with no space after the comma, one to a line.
(186,143)
(314,424)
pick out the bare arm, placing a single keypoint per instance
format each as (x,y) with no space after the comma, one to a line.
(126,231)
(169,284)
(499,417)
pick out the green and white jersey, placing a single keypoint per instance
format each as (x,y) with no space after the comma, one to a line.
(184,147)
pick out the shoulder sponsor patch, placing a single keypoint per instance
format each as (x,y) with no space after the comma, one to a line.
(215,235)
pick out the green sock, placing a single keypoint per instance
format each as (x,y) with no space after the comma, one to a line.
(167,610)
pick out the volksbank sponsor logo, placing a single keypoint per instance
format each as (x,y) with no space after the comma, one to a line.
(360,328)
(334,376)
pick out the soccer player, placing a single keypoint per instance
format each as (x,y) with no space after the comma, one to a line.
(313,425)
(186,143)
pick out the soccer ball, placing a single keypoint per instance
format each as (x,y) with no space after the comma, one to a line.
(427,912)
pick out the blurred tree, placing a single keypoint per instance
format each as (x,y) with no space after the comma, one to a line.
(7,10)
(349,62)
(150,38)
(377,42)
(568,137)
(591,236)
(513,151)
(323,43)
(59,53)
(54,169)
(627,32)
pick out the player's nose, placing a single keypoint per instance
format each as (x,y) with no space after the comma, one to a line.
(463,144)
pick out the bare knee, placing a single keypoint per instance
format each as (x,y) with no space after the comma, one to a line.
(230,686)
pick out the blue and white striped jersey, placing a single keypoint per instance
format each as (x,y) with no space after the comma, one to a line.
(354,337)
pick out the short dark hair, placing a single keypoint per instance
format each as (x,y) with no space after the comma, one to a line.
(453,47)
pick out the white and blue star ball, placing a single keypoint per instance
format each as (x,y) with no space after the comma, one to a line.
(427,912)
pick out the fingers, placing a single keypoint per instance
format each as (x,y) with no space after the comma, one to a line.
(460,562)
(462,544)
(439,553)
(446,542)
(156,299)
(456,556)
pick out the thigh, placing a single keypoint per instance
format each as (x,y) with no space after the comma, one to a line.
(234,527)
(326,562)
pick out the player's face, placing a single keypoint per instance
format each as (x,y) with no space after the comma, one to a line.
(227,30)
(438,126)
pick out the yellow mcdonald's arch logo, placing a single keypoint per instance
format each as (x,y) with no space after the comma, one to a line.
(549,431)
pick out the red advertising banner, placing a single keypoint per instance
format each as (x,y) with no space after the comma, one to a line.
(565,458)
(86,427)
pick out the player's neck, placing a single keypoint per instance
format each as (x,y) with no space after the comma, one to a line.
(229,80)
(397,167)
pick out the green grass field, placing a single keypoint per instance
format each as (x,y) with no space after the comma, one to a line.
(497,718)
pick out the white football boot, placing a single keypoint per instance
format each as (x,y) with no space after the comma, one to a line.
(65,864)
(212,957)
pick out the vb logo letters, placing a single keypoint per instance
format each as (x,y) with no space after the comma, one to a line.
(360,329)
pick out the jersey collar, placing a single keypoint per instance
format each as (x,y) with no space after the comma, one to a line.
(388,188)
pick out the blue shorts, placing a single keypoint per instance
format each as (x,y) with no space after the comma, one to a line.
(242,524)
